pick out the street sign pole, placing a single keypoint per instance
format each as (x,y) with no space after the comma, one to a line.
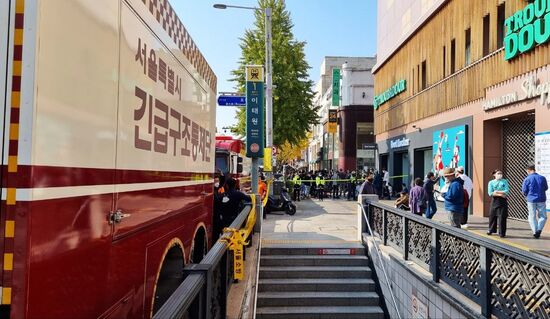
(255,127)
(269,90)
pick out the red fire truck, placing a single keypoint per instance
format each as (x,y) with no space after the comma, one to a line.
(108,156)
(231,159)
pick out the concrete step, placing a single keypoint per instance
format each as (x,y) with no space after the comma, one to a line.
(314,260)
(316,284)
(315,272)
(334,249)
(317,299)
(320,313)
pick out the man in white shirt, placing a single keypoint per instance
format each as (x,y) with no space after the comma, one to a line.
(386,177)
(468,186)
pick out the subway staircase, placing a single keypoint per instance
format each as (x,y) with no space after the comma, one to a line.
(316,283)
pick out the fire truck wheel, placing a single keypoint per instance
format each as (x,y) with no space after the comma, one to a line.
(199,248)
(170,277)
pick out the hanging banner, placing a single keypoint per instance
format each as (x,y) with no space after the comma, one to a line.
(332,121)
(268,167)
(254,111)
(542,159)
(335,87)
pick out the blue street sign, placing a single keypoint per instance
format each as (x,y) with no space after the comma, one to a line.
(231,100)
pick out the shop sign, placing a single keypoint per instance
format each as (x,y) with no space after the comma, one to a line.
(400,143)
(390,93)
(527,28)
(361,153)
(332,121)
(530,89)
(336,87)
(542,159)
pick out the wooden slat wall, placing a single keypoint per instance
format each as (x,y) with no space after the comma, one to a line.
(469,83)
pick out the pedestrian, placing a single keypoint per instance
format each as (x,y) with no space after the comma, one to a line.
(378,184)
(351,186)
(385,177)
(367,187)
(320,182)
(468,186)
(417,197)
(231,202)
(431,207)
(403,201)
(534,188)
(297,184)
(335,185)
(498,190)
(454,197)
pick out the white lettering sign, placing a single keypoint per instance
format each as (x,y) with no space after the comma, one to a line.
(530,90)
(400,143)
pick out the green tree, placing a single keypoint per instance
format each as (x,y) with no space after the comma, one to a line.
(293,113)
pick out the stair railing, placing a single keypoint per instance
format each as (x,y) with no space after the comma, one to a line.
(382,264)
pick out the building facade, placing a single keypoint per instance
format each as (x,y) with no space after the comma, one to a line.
(464,83)
(350,145)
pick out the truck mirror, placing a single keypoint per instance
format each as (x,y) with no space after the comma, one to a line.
(239,165)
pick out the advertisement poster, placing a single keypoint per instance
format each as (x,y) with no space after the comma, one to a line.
(449,149)
(542,159)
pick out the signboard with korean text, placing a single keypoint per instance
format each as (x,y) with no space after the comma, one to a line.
(449,149)
(166,118)
(254,111)
(332,121)
(542,159)
(335,87)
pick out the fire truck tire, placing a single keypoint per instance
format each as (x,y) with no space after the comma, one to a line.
(170,276)
(199,247)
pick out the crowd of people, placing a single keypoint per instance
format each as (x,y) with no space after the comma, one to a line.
(336,184)
(457,192)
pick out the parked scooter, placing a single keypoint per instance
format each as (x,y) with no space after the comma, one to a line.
(283,203)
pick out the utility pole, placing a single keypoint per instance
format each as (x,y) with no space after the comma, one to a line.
(269,91)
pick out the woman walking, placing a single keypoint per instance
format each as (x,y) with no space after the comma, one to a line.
(418,197)
(498,190)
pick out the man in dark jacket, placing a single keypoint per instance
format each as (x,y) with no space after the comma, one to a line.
(231,203)
(429,183)
(454,197)
(367,187)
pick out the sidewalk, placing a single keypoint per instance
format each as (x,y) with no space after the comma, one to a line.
(518,234)
(330,223)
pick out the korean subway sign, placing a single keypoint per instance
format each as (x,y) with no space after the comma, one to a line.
(254,111)
(527,28)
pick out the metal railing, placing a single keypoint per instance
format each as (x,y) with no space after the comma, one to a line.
(504,281)
(203,293)
(382,264)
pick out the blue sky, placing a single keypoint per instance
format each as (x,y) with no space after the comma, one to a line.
(330,28)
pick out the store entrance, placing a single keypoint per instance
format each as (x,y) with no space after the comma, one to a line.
(518,151)
(401,171)
(383,164)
